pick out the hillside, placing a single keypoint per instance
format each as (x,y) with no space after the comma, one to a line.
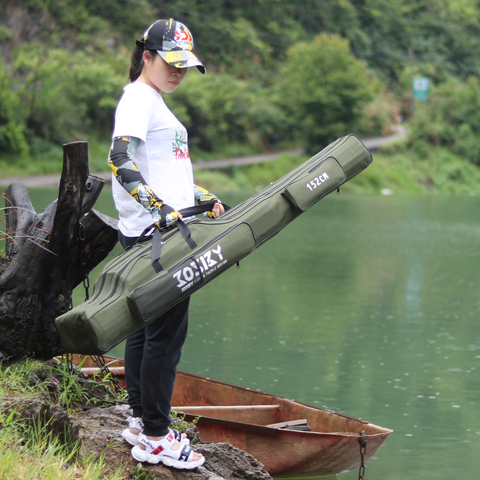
(280,75)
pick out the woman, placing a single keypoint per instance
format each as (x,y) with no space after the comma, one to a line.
(150,161)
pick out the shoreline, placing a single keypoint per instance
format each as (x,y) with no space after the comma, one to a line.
(52,180)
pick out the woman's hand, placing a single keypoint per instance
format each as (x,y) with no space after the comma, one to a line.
(218,209)
(167,217)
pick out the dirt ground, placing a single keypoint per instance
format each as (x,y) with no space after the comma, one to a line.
(99,430)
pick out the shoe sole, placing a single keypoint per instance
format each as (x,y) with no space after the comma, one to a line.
(131,438)
(142,456)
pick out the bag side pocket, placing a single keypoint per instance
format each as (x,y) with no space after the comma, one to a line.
(319,181)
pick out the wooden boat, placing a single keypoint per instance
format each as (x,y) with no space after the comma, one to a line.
(290,438)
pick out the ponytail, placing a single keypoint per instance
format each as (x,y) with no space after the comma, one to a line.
(136,65)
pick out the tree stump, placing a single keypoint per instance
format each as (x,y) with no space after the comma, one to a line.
(47,255)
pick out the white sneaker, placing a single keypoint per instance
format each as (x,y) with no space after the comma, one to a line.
(133,423)
(161,451)
(137,424)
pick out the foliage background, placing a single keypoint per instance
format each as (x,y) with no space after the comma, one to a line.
(280,75)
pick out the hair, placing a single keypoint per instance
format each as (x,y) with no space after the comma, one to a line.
(137,63)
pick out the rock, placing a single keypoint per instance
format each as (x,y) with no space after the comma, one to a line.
(99,431)
(222,460)
(40,412)
(229,462)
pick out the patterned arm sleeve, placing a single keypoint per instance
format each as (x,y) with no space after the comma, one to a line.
(127,174)
(202,196)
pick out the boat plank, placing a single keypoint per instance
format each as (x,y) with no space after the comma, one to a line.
(255,414)
(290,423)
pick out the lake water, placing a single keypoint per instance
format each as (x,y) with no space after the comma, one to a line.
(365,305)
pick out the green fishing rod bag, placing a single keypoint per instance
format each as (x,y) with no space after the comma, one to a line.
(156,273)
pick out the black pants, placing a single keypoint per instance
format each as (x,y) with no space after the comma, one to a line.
(151,358)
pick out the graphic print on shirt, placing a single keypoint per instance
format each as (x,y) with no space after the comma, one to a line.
(180,145)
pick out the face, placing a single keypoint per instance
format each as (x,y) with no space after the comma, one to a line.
(160,75)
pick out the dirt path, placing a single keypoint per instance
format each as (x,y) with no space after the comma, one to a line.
(53,180)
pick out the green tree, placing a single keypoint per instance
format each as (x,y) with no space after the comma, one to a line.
(40,78)
(242,38)
(324,89)
(93,85)
(12,122)
(442,33)
(451,118)
(220,109)
(58,96)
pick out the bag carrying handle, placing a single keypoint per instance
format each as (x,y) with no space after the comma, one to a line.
(182,227)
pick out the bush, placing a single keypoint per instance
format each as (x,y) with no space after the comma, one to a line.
(219,110)
(437,171)
(380,115)
(41,79)
(51,97)
(12,124)
(324,90)
(93,87)
(451,119)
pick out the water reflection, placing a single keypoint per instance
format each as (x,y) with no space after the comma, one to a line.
(368,306)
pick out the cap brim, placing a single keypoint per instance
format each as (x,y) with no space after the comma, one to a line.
(182,59)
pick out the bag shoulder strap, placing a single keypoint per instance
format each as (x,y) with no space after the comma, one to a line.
(198,209)
(182,227)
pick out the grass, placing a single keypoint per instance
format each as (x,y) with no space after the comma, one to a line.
(437,172)
(14,379)
(31,451)
(397,170)
(50,160)
(404,171)
(63,384)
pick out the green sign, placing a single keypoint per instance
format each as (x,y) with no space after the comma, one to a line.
(421,86)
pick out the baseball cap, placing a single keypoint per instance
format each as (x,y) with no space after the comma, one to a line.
(173,42)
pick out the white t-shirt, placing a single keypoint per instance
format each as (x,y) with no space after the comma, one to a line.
(162,156)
